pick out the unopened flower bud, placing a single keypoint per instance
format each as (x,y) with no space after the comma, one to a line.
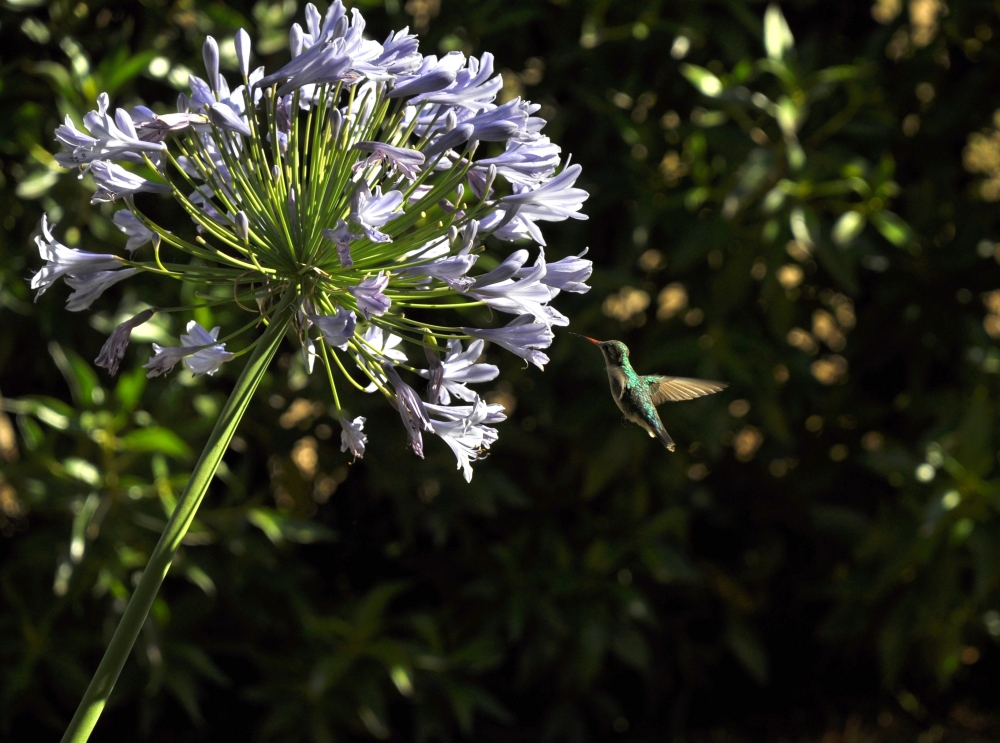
(242,226)
(182,103)
(210,54)
(243,51)
(336,123)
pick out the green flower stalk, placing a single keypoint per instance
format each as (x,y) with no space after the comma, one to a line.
(341,201)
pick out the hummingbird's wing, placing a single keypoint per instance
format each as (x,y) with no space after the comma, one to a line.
(673,389)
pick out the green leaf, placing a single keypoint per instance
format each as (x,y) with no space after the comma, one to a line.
(154,439)
(702,79)
(848,227)
(778,39)
(266,520)
(37,183)
(129,388)
(748,649)
(893,227)
(128,68)
(82,470)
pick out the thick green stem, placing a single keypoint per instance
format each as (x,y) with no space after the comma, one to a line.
(100,687)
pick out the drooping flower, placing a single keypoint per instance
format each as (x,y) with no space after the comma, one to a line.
(113,350)
(369,295)
(138,234)
(411,409)
(199,349)
(344,190)
(338,328)
(114,182)
(352,437)
(61,261)
(468,436)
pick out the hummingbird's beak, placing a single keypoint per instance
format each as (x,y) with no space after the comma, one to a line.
(586,338)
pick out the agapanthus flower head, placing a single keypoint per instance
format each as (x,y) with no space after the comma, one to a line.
(362,188)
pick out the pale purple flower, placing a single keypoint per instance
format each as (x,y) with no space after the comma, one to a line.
(108,139)
(324,62)
(199,349)
(568,274)
(153,127)
(467,437)
(370,211)
(228,120)
(433,75)
(368,294)
(114,182)
(525,162)
(525,295)
(404,159)
(458,369)
(411,409)
(341,236)
(473,88)
(88,287)
(501,123)
(338,328)
(64,261)
(114,347)
(353,437)
(495,412)
(522,337)
(554,200)
(138,234)
(449,268)
(449,140)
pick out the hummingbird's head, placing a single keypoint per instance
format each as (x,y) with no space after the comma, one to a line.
(615,352)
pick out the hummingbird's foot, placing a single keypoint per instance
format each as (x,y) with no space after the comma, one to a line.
(625,422)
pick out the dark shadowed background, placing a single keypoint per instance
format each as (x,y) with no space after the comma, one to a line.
(819,560)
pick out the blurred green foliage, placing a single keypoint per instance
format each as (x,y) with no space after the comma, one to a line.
(804,210)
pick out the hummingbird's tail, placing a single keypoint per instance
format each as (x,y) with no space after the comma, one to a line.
(664,438)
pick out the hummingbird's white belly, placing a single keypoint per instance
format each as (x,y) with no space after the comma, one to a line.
(617,380)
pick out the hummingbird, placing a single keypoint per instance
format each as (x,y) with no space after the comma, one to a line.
(638,395)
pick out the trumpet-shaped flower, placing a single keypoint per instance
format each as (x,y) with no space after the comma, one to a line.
(459,368)
(200,350)
(352,437)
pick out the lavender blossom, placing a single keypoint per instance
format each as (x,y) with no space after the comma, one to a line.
(458,369)
(525,295)
(114,182)
(370,212)
(411,410)
(568,274)
(341,236)
(199,349)
(433,75)
(62,261)
(113,350)
(467,437)
(352,437)
(138,234)
(87,288)
(474,87)
(521,336)
(368,294)
(404,159)
(337,329)
(107,138)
